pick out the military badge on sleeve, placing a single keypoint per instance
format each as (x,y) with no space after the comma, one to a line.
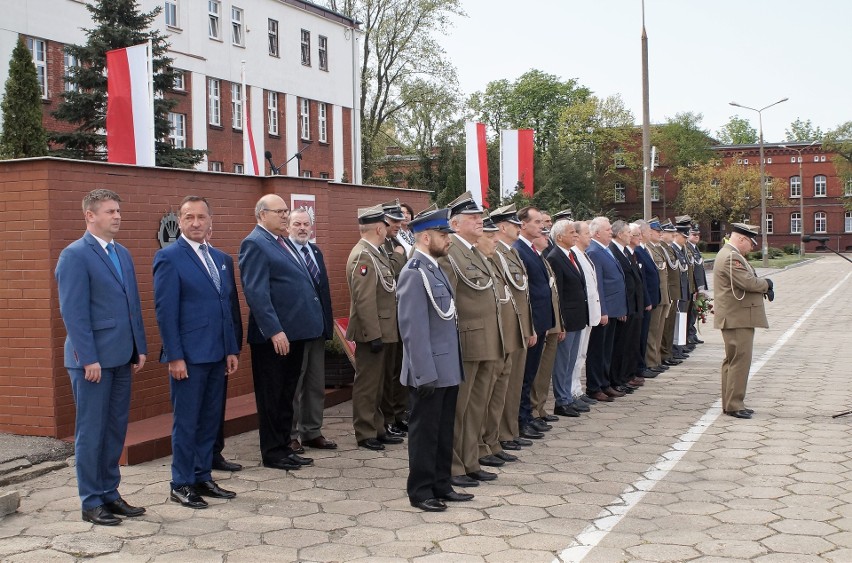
(363,270)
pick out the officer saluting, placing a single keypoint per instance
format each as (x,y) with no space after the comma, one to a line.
(431,364)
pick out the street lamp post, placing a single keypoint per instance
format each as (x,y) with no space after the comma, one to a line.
(801,197)
(764,239)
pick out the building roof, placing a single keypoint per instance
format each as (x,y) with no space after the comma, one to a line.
(322,11)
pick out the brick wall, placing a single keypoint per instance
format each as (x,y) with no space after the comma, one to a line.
(40,213)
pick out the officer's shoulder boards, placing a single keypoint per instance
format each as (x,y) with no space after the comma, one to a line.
(414,264)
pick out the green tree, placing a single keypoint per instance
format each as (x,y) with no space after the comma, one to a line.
(802,131)
(118,24)
(682,141)
(23,133)
(839,141)
(737,131)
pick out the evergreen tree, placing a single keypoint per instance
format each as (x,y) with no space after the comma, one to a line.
(23,134)
(118,24)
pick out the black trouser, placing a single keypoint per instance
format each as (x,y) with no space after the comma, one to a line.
(430,443)
(599,356)
(624,349)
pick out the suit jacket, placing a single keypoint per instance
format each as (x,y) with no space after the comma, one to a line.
(738,292)
(198,323)
(102,314)
(571,285)
(323,289)
(430,344)
(591,283)
(279,290)
(541,300)
(372,307)
(611,284)
(650,276)
(515,273)
(559,325)
(632,281)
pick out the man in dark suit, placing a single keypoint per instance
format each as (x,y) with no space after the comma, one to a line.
(627,333)
(541,302)
(651,282)
(431,365)
(99,304)
(613,299)
(309,403)
(196,299)
(285,313)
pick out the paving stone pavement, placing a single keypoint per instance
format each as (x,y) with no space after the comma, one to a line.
(655,476)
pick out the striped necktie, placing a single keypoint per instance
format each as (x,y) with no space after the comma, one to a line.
(312,267)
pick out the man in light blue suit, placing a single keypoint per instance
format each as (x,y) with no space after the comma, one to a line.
(198,313)
(99,304)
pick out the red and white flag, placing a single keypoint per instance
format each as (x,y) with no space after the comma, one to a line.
(250,163)
(516,161)
(476,162)
(130,106)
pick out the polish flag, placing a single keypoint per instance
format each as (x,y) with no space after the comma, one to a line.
(251,166)
(476,162)
(130,106)
(516,161)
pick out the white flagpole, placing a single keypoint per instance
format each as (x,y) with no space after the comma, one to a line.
(151,126)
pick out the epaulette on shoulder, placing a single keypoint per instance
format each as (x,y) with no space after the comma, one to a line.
(414,264)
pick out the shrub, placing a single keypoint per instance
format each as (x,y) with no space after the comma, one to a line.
(791,249)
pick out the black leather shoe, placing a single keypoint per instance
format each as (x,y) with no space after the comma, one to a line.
(648,374)
(371,444)
(522,442)
(529,432)
(506,456)
(540,425)
(282,464)
(401,425)
(588,400)
(463,481)
(453,496)
(482,475)
(672,362)
(388,439)
(625,390)
(567,410)
(491,461)
(101,516)
(187,497)
(696,340)
(430,505)
(212,490)
(392,430)
(223,464)
(550,418)
(119,506)
(749,411)
(680,356)
(296,446)
(580,406)
(658,369)
(299,460)
(510,445)
(739,414)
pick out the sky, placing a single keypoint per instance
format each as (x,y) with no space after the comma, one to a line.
(702,54)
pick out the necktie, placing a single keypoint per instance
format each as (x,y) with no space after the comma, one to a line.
(211,267)
(573,261)
(312,267)
(113,256)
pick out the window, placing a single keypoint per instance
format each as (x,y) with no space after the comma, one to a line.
(792,159)
(216,167)
(273,38)
(38,48)
(306,47)
(767,161)
(819,186)
(820,222)
(770,224)
(237,36)
(656,162)
(767,187)
(272,112)
(847,222)
(214,99)
(620,192)
(655,190)
(795,223)
(214,30)
(237,105)
(306,174)
(177,134)
(745,161)
(71,61)
(619,159)
(816,158)
(795,186)
(322,123)
(171,12)
(179,80)
(822,158)
(306,119)
(324,176)
(848,189)
(323,52)
(238,169)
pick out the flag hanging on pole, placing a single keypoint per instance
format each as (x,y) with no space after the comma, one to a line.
(516,161)
(250,163)
(130,106)
(476,162)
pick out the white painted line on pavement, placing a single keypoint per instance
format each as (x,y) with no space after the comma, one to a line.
(612,514)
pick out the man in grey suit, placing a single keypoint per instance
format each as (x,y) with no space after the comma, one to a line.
(431,363)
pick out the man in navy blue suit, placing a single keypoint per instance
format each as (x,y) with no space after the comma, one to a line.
(197,308)
(99,303)
(285,313)
(651,281)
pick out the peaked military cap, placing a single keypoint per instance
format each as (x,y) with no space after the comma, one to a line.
(667,227)
(393,210)
(654,223)
(748,230)
(374,214)
(488,225)
(683,220)
(564,214)
(464,204)
(506,213)
(431,220)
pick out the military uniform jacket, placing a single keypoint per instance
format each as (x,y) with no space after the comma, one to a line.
(427,326)
(396,260)
(372,306)
(738,292)
(700,275)
(673,267)
(515,273)
(476,302)
(513,338)
(685,271)
(659,256)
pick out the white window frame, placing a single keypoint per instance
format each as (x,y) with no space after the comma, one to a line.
(655,190)
(272,112)
(306,47)
(847,222)
(795,187)
(848,189)
(795,223)
(180,80)
(322,45)
(619,158)
(70,62)
(214,101)
(216,166)
(770,224)
(305,115)
(820,185)
(239,169)
(820,222)
(620,195)
(177,130)
(306,174)
(214,19)
(237,105)
(171,12)
(38,50)
(272,32)
(238,36)
(322,122)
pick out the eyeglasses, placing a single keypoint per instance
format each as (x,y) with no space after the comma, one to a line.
(281,212)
